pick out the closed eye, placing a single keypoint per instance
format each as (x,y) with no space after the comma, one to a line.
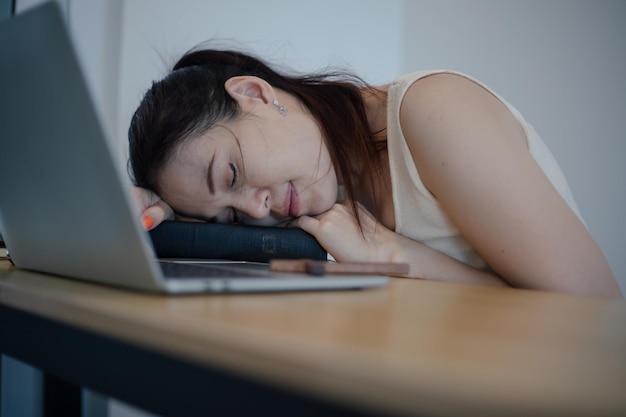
(235,175)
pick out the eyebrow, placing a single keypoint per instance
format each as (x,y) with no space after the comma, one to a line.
(209,176)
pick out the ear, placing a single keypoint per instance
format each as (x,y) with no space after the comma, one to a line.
(248,90)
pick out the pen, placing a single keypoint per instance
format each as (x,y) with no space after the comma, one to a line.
(314,267)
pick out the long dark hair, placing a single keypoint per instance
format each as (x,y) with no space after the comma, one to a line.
(191,99)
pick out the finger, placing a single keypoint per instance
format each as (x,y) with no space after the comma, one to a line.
(155,215)
(306,223)
(143,197)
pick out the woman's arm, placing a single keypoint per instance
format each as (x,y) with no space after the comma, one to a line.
(472,154)
(338,232)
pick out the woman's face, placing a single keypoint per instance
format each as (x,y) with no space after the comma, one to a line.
(264,168)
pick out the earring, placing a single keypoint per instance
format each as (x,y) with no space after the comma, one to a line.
(281,109)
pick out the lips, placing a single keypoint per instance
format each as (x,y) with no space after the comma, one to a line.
(291,206)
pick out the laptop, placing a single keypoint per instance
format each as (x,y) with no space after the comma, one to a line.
(65,205)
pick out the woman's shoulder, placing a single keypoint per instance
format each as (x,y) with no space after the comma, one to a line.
(428,89)
(445,114)
(438,98)
(407,80)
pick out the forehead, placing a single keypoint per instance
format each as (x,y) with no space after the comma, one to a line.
(185,171)
(198,149)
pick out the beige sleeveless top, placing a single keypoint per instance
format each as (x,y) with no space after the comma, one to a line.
(418,214)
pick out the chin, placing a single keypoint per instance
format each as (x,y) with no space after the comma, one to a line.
(323,206)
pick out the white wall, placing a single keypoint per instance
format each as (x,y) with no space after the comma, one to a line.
(303,35)
(562,63)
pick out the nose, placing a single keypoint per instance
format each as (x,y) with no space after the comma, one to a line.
(256,204)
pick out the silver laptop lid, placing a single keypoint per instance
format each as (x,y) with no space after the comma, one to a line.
(63,206)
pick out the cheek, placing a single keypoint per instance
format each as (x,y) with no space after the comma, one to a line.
(326,195)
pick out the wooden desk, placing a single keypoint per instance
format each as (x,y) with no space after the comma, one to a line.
(412,348)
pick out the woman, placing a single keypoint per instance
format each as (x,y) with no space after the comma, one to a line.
(438,171)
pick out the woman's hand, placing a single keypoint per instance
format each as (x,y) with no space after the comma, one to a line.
(153,210)
(338,232)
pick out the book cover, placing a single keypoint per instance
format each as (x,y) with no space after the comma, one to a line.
(175,239)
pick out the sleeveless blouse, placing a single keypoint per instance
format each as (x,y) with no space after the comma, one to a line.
(418,214)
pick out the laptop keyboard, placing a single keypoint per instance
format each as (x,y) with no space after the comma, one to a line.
(184,270)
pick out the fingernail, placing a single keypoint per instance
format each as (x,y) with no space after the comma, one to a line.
(148,222)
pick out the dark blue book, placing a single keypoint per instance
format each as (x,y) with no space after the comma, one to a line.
(175,239)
